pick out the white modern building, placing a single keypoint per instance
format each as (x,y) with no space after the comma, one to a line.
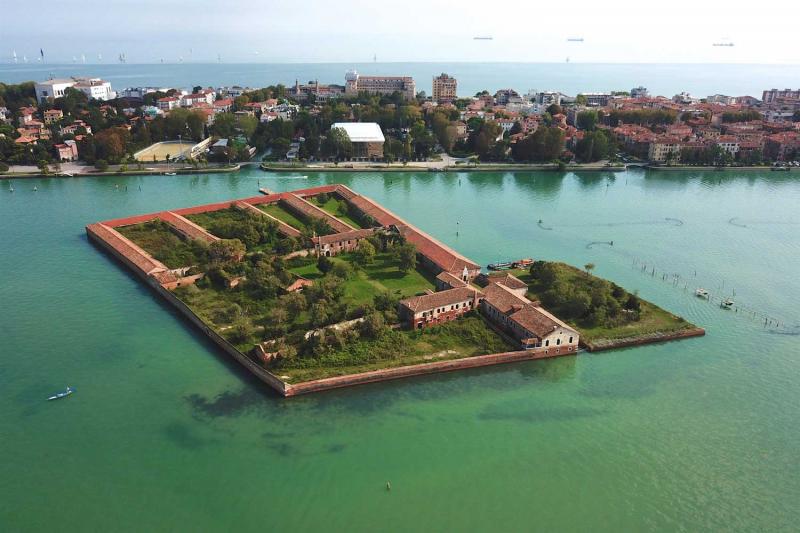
(50,89)
(91,87)
(95,88)
(367,138)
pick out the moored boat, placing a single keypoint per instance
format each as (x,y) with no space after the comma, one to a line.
(727,303)
(702,293)
(60,395)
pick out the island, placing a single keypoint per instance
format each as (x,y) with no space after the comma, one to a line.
(321,288)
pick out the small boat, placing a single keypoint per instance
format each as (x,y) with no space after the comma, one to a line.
(169,173)
(522,263)
(60,395)
(702,293)
(502,265)
(727,303)
(66,174)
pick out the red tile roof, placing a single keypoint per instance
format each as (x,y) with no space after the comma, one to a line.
(440,299)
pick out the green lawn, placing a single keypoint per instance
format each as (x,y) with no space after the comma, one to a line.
(382,275)
(210,219)
(652,319)
(332,208)
(284,215)
(157,239)
(466,337)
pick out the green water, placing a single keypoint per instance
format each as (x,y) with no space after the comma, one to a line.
(165,434)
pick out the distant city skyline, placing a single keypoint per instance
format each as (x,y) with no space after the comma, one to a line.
(622,32)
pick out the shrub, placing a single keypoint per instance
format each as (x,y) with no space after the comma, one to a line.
(101,165)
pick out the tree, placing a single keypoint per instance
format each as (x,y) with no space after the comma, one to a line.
(545,144)
(588,267)
(324,264)
(226,251)
(224,125)
(594,146)
(43,166)
(406,256)
(320,313)
(373,325)
(587,120)
(337,144)
(111,144)
(365,253)
(101,165)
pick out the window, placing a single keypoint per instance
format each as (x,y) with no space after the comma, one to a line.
(558,342)
(570,340)
(547,343)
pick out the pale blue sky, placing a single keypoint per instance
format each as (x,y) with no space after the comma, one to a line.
(431,30)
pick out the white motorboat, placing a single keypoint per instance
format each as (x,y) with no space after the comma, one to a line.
(727,303)
(702,293)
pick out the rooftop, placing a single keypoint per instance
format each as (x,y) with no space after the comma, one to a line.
(362,132)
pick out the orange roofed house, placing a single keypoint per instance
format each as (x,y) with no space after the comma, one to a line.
(502,301)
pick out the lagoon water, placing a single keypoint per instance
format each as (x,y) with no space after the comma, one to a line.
(166,434)
(570,78)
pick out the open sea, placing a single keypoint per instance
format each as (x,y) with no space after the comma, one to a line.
(165,433)
(570,78)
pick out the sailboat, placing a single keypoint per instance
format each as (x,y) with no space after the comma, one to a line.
(83,58)
(60,395)
(14,55)
(100,58)
(74,59)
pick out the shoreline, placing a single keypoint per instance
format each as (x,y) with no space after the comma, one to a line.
(97,174)
(414,168)
(601,345)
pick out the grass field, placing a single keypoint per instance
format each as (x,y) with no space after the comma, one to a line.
(161,150)
(332,208)
(466,337)
(157,239)
(284,215)
(381,276)
(652,319)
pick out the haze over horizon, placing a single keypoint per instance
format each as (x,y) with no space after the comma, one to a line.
(430,31)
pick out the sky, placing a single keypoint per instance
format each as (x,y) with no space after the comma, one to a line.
(613,31)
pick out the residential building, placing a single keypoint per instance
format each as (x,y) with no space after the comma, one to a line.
(728,143)
(505,96)
(95,88)
(168,103)
(430,309)
(444,88)
(783,146)
(330,245)
(383,85)
(190,100)
(545,98)
(664,148)
(597,99)
(67,151)
(53,115)
(367,138)
(72,129)
(51,89)
(321,93)
(5,114)
(26,115)
(639,92)
(528,323)
(772,95)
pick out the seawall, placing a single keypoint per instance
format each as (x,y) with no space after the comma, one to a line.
(640,340)
(419,370)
